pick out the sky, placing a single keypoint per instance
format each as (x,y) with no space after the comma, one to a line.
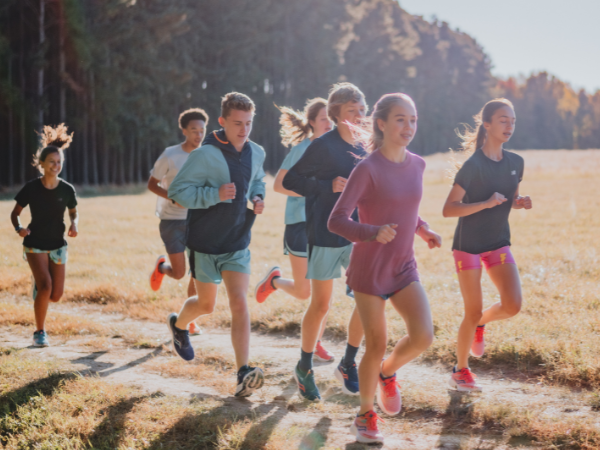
(525,36)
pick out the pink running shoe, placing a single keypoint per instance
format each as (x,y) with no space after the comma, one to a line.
(265,287)
(321,354)
(464,380)
(365,428)
(478,345)
(389,397)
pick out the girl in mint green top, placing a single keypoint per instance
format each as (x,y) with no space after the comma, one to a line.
(298,129)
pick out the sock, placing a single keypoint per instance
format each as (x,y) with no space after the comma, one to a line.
(385,378)
(243,368)
(272,282)
(306,360)
(350,355)
(480,326)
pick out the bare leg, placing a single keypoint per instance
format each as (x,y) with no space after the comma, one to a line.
(299,287)
(412,304)
(317,310)
(40,268)
(198,305)
(57,272)
(236,284)
(372,313)
(470,287)
(355,329)
(507,281)
(191,288)
(176,268)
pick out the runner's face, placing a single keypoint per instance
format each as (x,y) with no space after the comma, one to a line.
(321,124)
(194,132)
(52,165)
(502,125)
(237,126)
(352,112)
(400,126)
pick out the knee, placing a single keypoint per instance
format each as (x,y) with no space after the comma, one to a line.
(45,287)
(513,307)
(473,317)
(56,295)
(321,307)
(238,305)
(303,293)
(422,341)
(178,274)
(376,343)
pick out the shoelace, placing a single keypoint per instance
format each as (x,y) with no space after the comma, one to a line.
(371,420)
(389,387)
(468,376)
(479,334)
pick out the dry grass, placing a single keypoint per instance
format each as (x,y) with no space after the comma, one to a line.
(554,245)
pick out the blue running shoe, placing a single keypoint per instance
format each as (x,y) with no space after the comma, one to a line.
(181,339)
(306,385)
(249,379)
(348,376)
(40,339)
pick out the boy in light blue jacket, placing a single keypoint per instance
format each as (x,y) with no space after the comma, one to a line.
(216,183)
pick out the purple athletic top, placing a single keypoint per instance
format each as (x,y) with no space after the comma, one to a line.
(384,192)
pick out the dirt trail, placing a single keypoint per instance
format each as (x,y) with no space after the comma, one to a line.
(278,401)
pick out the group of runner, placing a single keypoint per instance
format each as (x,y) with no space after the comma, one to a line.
(354,192)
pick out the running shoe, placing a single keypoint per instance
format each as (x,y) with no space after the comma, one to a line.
(389,397)
(156,277)
(365,428)
(194,329)
(306,385)
(321,354)
(40,339)
(464,380)
(348,376)
(265,287)
(181,339)
(248,380)
(478,345)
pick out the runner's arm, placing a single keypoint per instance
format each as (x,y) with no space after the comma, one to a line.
(74,216)
(454,207)
(257,185)
(189,186)
(16,220)
(155,188)
(301,177)
(278,184)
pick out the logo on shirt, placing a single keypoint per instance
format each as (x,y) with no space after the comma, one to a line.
(514,172)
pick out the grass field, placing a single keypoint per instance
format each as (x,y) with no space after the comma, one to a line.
(554,244)
(552,341)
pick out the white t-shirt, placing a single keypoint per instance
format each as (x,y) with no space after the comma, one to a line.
(165,168)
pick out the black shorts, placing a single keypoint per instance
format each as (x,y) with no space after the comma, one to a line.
(295,241)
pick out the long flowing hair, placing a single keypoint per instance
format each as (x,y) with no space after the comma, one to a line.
(52,140)
(367,133)
(295,125)
(474,137)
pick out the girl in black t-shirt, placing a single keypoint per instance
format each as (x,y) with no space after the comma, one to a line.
(44,245)
(485,190)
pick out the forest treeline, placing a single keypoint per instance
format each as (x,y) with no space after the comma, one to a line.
(118,72)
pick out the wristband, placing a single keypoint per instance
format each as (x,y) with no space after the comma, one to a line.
(18,229)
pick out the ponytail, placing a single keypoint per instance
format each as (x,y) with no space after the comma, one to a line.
(295,125)
(52,140)
(474,138)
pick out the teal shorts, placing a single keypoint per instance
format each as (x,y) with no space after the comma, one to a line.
(58,256)
(207,268)
(325,263)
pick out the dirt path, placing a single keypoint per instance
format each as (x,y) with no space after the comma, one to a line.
(419,427)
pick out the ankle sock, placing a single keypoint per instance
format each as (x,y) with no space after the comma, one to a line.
(306,360)
(350,356)
(273,282)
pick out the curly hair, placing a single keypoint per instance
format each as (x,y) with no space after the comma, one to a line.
(52,140)
(192,114)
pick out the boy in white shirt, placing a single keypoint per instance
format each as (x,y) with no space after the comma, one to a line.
(173,217)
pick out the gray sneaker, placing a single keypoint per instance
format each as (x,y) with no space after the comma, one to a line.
(40,339)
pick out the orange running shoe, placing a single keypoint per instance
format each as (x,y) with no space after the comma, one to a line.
(194,329)
(464,380)
(389,397)
(478,345)
(365,428)
(156,277)
(321,354)
(265,287)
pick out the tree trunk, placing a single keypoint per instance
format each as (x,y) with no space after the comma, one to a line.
(93,142)
(23,147)
(11,141)
(40,86)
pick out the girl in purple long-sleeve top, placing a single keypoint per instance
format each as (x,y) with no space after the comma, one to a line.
(386,187)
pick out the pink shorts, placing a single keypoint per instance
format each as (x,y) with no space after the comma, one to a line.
(468,261)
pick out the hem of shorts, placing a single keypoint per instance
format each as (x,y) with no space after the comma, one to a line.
(485,251)
(501,264)
(393,291)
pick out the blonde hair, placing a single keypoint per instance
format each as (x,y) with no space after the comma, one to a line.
(368,133)
(52,140)
(474,138)
(340,94)
(295,125)
(236,100)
